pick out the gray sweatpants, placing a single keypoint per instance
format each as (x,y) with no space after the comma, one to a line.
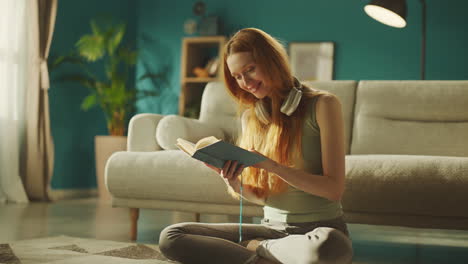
(315,242)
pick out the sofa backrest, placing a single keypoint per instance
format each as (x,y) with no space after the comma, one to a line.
(411,117)
(345,91)
(219,109)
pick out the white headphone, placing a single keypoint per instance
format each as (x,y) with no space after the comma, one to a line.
(288,107)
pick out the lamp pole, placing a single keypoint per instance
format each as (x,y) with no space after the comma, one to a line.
(423,40)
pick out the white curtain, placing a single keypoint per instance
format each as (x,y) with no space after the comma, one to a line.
(13,71)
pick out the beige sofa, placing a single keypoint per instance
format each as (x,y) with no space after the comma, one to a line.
(406,163)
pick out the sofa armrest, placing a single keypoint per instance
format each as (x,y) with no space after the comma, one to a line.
(142,132)
(172,127)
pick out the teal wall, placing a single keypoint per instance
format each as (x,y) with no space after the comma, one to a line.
(364,49)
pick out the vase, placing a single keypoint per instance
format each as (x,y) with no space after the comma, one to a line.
(105,146)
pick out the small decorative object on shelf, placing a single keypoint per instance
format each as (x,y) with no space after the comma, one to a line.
(209,26)
(212,66)
(199,8)
(200,72)
(190,26)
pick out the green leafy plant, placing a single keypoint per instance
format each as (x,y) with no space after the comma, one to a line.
(112,93)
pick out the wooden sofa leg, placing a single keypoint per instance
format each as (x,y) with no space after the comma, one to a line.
(197,217)
(134,214)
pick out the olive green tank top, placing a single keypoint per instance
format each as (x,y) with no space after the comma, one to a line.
(294,205)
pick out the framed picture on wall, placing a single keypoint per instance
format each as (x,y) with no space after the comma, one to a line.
(312,61)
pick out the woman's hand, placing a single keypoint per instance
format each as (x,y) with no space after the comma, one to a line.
(229,173)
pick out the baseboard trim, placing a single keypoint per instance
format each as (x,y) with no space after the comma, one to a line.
(66,194)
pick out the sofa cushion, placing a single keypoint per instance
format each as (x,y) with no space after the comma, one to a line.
(346,92)
(406,185)
(172,127)
(142,132)
(411,117)
(164,175)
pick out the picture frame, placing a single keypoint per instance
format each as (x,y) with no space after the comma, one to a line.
(312,61)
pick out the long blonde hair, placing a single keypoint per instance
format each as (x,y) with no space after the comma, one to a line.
(282,137)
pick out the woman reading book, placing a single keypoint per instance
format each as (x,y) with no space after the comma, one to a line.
(301,132)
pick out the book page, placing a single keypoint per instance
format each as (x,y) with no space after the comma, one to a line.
(216,152)
(206,142)
(187,146)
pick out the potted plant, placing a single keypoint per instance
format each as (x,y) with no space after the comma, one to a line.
(112,93)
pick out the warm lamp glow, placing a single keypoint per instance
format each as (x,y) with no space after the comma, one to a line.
(393,13)
(385,16)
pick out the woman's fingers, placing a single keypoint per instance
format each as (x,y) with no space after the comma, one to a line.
(231,170)
(225,170)
(239,170)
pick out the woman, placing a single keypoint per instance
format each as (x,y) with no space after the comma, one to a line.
(300,184)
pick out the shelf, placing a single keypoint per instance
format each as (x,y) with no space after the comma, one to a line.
(210,39)
(197,52)
(199,79)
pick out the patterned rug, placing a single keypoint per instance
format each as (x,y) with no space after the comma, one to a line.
(71,250)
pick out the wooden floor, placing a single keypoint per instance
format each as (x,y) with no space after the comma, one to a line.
(88,218)
(91,218)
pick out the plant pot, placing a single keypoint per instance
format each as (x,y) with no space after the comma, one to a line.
(104,147)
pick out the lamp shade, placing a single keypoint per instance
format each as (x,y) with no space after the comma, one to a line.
(388,12)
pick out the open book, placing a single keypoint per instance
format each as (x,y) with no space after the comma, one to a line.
(216,152)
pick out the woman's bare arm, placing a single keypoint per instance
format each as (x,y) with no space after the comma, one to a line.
(330,185)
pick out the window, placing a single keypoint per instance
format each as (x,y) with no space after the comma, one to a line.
(13,54)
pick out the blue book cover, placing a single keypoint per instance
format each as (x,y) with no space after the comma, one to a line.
(216,152)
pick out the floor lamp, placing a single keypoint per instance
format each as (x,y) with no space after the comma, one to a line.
(393,13)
